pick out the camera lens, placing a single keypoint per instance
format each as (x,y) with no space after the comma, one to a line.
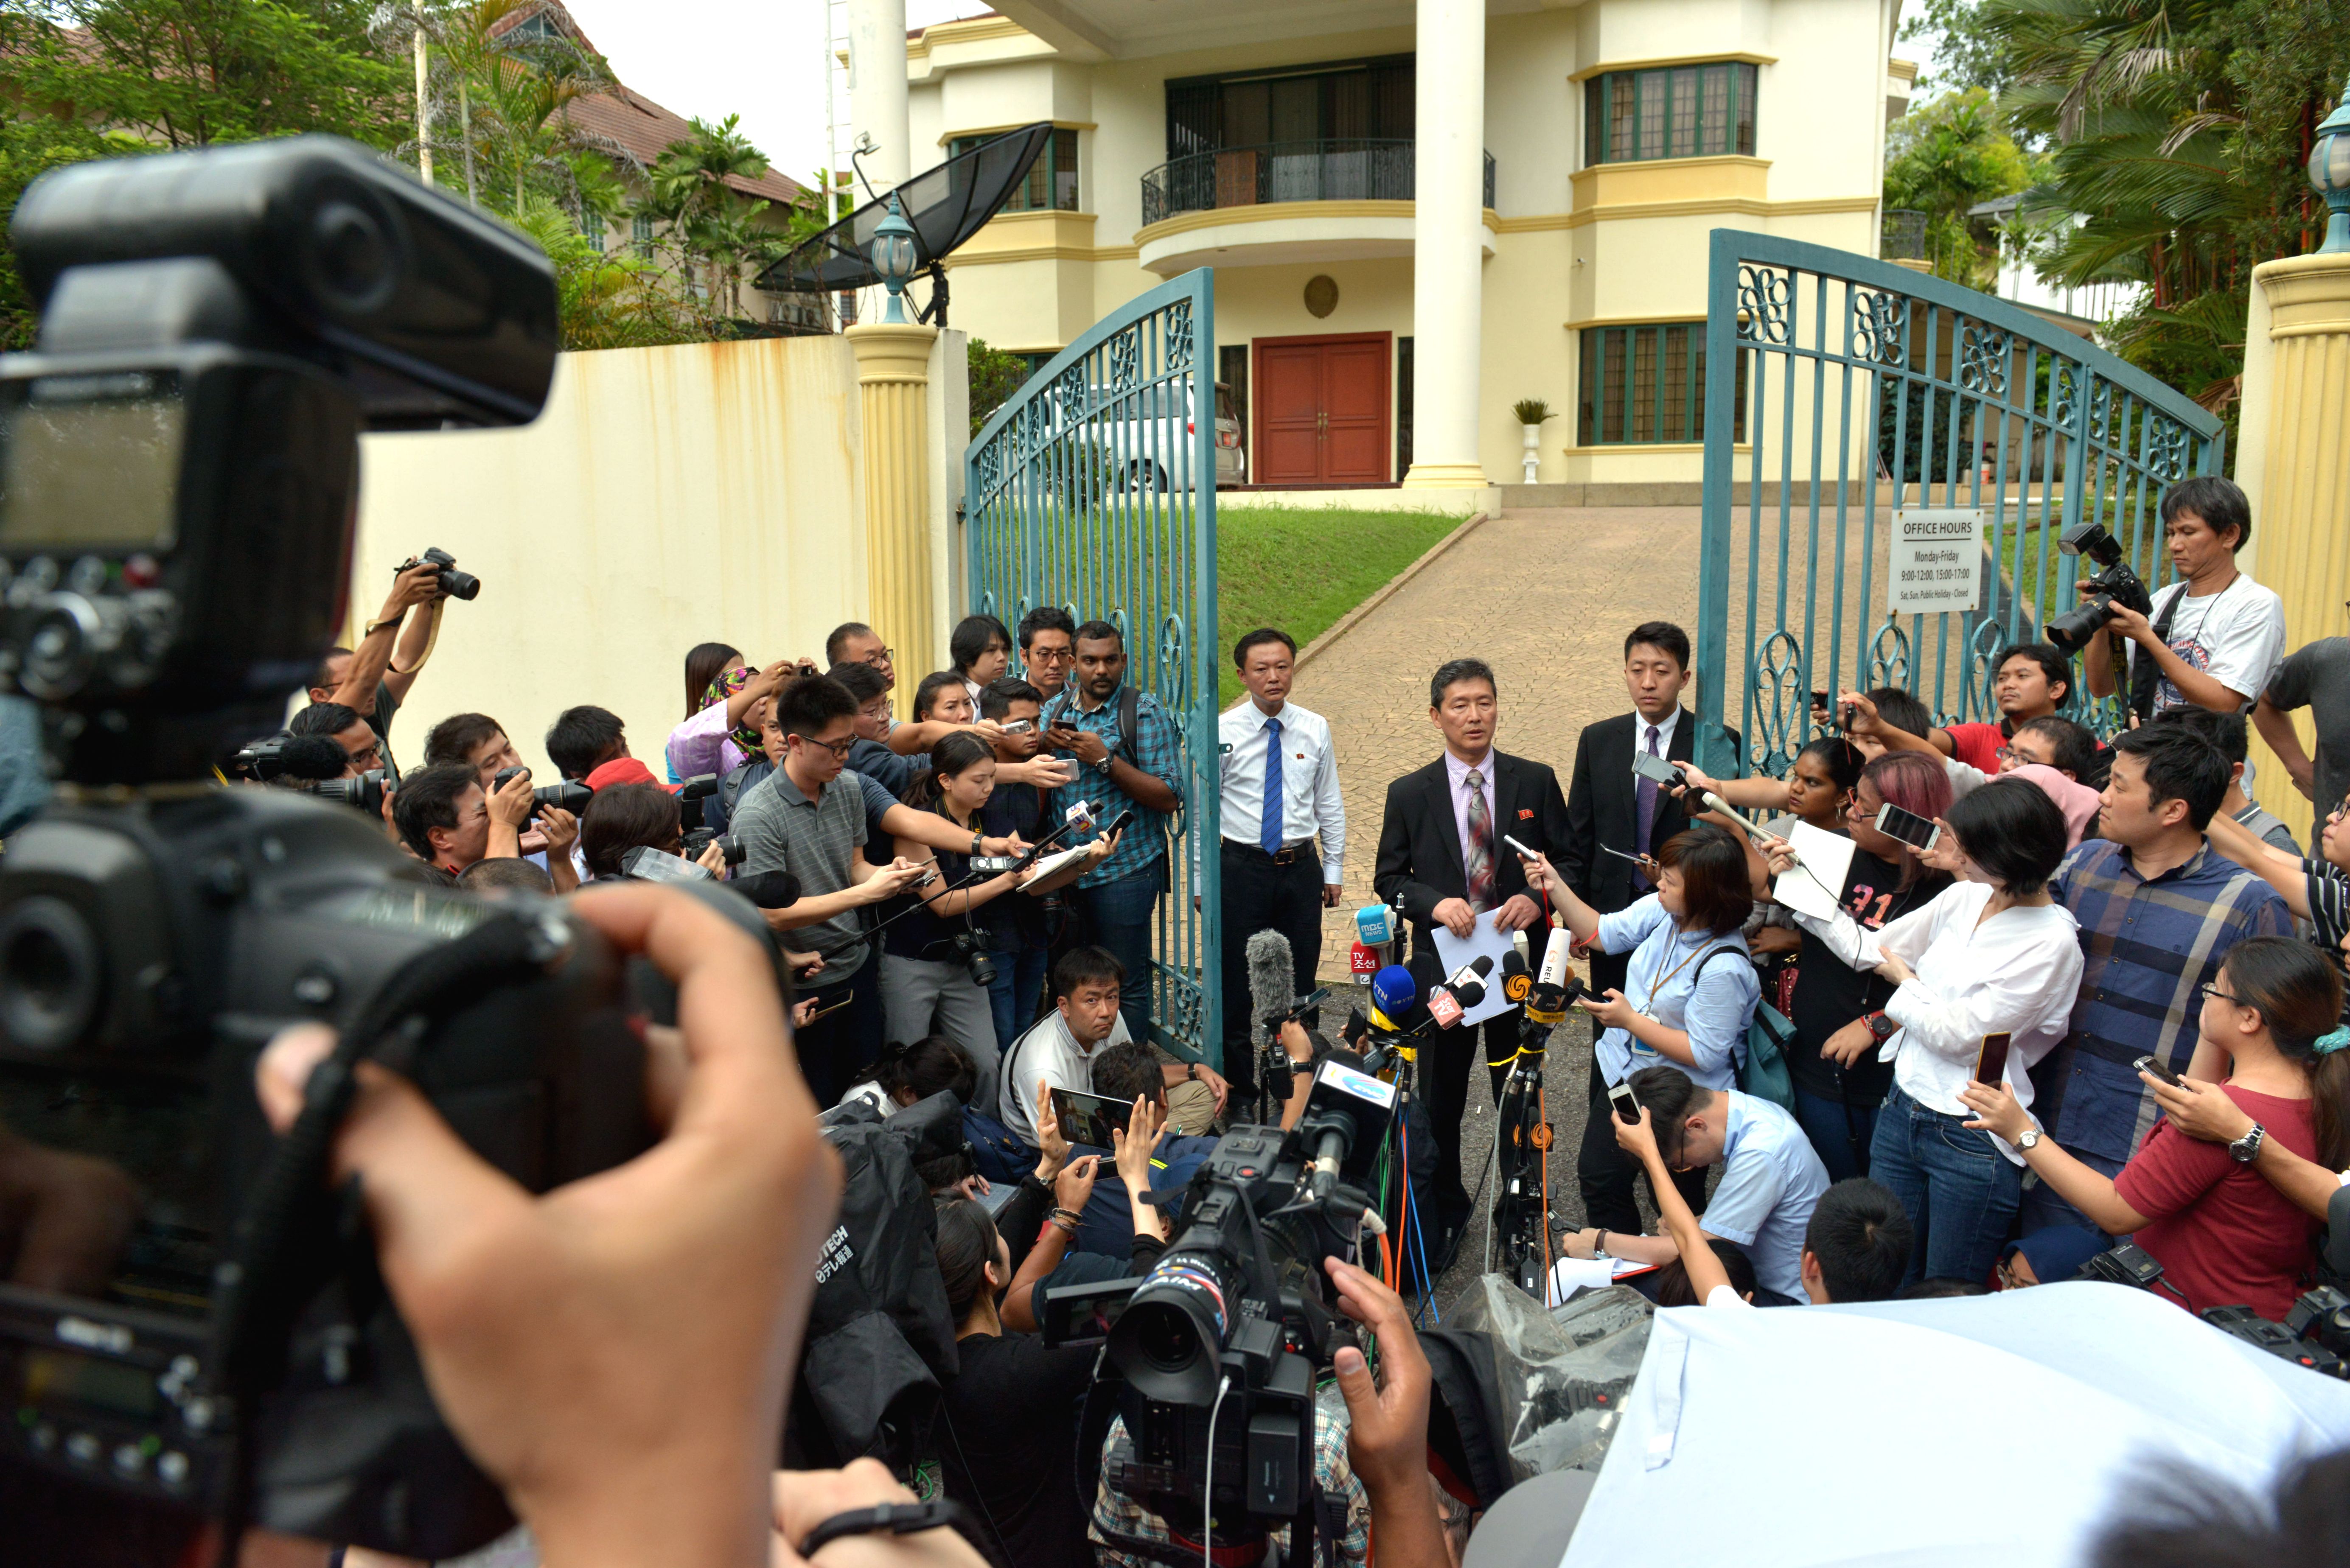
(2070,632)
(1170,1337)
(51,972)
(352,260)
(460,585)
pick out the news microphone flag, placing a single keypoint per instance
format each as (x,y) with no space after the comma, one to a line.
(1363,962)
(1547,1002)
(1375,924)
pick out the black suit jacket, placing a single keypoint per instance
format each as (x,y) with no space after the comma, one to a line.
(1418,865)
(1600,808)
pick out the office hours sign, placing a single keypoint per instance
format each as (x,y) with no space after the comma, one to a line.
(1936,563)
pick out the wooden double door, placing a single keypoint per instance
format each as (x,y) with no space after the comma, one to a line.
(1321,409)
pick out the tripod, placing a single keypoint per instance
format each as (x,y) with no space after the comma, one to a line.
(1517,1240)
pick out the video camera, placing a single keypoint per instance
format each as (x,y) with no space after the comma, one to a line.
(1213,1354)
(178,471)
(2114,583)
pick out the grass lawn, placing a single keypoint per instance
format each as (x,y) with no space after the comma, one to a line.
(1300,570)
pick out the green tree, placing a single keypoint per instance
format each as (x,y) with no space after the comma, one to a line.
(1945,157)
(1966,54)
(995,376)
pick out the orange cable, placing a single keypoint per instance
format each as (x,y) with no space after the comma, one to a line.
(1542,1118)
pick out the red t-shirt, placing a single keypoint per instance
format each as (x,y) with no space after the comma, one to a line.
(1977,745)
(2221,1233)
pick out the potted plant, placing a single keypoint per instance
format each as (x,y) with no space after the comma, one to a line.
(1532,413)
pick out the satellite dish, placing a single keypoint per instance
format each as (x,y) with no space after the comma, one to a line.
(946,205)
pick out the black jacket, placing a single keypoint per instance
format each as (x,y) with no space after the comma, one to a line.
(1599,808)
(1419,864)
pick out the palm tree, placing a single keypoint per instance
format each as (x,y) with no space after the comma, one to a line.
(691,190)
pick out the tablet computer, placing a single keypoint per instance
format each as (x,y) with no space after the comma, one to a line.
(1089,1118)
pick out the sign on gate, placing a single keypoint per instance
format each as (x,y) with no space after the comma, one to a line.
(1937,561)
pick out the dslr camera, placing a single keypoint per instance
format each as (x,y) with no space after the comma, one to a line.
(191,1320)
(1214,1352)
(570,795)
(454,584)
(2114,583)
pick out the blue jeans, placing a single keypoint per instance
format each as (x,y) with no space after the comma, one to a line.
(1823,1122)
(1013,992)
(1961,1192)
(1121,913)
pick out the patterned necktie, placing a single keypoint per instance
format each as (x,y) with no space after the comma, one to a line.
(1478,853)
(1268,832)
(1644,813)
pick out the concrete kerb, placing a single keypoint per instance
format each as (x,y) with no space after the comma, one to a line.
(1346,623)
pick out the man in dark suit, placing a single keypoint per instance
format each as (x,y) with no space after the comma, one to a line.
(1608,808)
(1442,862)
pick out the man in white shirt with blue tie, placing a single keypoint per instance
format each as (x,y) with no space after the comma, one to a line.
(1281,805)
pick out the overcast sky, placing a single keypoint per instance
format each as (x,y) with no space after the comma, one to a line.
(762,59)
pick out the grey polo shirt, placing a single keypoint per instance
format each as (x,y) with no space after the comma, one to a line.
(815,840)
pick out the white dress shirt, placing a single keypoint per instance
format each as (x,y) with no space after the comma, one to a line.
(1310,805)
(2018,972)
(1665,728)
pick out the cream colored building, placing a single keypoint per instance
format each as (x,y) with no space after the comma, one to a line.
(1417,213)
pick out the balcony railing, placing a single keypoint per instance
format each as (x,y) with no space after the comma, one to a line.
(1344,169)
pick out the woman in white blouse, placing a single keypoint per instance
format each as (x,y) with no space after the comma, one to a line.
(1992,954)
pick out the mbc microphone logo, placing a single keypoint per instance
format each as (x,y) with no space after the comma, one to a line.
(1375,923)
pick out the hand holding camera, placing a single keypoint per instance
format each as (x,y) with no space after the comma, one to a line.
(715,1222)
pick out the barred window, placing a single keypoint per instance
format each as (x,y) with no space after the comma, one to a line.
(1051,182)
(1678,111)
(1645,385)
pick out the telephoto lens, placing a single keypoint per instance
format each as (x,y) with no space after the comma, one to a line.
(365,793)
(570,795)
(457,584)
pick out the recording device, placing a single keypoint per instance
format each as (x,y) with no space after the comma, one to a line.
(364,793)
(1273,1004)
(2276,1339)
(177,469)
(1375,925)
(1715,803)
(691,794)
(1213,1354)
(1463,991)
(1393,993)
(1991,1059)
(453,583)
(2123,1265)
(570,795)
(1363,962)
(2159,1067)
(731,845)
(2114,583)
(1522,851)
(969,949)
(1019,727)
(1657,770)
(768,890)
(1089,1119)
(1555,986)
(645,864)
(1907,827)
(2321,1317)
(1517,980)
(1626,1103)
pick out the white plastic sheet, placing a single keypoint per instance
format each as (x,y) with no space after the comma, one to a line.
(2002,1428)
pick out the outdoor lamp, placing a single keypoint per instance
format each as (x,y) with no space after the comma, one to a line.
(893,258)
(2329,171)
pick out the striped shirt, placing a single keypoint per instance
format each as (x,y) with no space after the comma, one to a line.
(2329,913)
(2147,947)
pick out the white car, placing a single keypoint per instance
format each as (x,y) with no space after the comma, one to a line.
(1138,449)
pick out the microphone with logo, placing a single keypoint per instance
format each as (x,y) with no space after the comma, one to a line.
(1554,987)
(1462,991)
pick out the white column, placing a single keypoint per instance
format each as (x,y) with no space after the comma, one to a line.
(1448,281)
(876,87)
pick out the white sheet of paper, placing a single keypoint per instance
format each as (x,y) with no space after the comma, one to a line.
(1483,941)
(1823,859)
(1569,1275)
(1048,866)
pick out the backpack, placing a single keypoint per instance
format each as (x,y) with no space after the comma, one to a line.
(720,812)
(1762,1065)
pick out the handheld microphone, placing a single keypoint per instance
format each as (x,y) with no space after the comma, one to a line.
(1375,924)
(1393,992)
(1465,989)
(1270,977)
(1715,803)
(1517,980)
(769,889)
(1546,1002)
(1079,817)
(1363,961)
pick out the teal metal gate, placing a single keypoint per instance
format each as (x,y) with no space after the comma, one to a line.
(1866,387)
(1095,489)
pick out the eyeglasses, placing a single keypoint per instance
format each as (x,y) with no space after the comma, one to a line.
(881,656)
(839,749)
(1052,656)
(2211,988)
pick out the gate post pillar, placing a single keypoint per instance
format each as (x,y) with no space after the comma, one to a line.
(893,375)
(2295,465)
(1448,257)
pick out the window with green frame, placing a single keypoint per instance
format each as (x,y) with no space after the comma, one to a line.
(1051,182)
(1644,385)
(1674,112)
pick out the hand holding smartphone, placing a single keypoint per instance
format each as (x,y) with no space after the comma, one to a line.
(1991,1059)
(1920,833)
(2156,1065)
(1658,770)
(1626,1103)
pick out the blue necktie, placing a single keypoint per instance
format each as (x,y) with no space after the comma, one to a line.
(1268,832)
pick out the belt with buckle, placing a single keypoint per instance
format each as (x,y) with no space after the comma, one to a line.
(1287,855)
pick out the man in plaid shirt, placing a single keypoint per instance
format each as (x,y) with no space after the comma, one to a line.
(2159,909)
(1128,756)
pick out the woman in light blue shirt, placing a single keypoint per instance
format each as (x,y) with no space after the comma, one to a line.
(1688,996)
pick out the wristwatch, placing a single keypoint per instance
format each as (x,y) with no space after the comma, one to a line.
(2029,1139)
(1881,1027)
(1599,1244)
(1102,766)
(2247,1148)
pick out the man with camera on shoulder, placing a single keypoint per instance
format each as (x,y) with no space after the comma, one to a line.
(2211,640)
